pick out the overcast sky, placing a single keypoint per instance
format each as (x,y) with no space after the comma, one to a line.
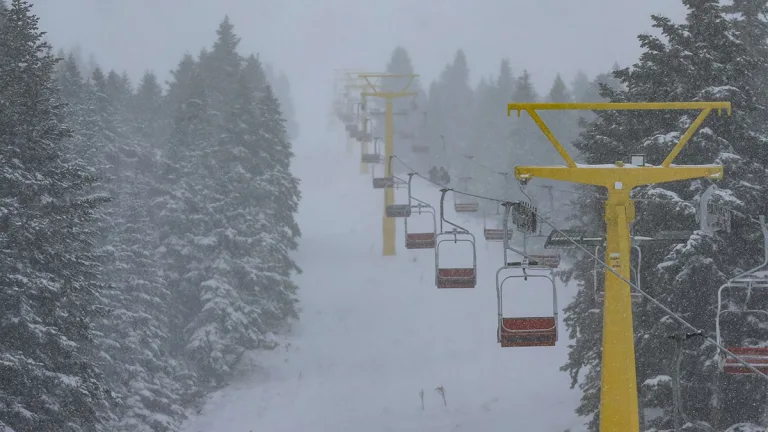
(308,39)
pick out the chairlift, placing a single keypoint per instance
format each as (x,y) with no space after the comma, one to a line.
(363,136)
(493,231)
(598,276)
(523,331)
(375,157)
(524,217)
(419,240)
(756,278)
(464,277)
(387,181)
(399,210)
(420,148)
(712,218)
(465,203)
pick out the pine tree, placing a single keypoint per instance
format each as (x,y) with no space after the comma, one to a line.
(228,321)
(220,68)
(580,86)
(149,122)
(282,88)
(180,213)
(279,231)
(701,59)
(178,87)
(400,64)
(457,99)
(49,281)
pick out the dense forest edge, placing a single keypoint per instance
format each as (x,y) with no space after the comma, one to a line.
(146,235)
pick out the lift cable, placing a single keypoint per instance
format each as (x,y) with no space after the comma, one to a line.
(672,314)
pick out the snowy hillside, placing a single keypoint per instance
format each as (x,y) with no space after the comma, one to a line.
(375,331)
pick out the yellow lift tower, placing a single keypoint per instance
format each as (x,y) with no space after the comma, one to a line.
(388,224)
(618,392)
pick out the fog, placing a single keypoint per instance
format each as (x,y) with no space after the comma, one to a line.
(309,39)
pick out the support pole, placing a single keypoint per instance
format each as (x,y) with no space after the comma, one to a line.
(618,386)
(388,228)
(618,394)
(364,144)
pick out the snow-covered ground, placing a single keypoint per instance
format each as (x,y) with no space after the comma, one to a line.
(375,331)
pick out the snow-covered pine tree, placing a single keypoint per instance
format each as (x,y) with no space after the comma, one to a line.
(178,87)
(49,280)
(81,114)
(220,67)
(181,214)
(282,88)
(279,230)
(457,99)
(149,120)
(253,73)
(701,59)
(135,336)
(228,321)
(580,87)
(484,127)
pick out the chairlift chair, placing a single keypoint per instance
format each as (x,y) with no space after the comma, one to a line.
(386,181)
(598,270)
(465,203)
(419,240)
(398,210)
(525,217)
(494,231)
(756,278)
(420,148)
(711,217)
(375,157)
(363,137)
(463,277)
(524,331)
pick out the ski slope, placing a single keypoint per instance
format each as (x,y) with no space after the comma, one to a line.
(375,331)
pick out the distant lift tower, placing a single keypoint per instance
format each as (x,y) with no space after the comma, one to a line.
(618,393)
(388,224)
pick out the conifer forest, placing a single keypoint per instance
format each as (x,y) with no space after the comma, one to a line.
(188,253)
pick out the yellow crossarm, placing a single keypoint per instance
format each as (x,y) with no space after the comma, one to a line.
(369,77)
(706,107)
